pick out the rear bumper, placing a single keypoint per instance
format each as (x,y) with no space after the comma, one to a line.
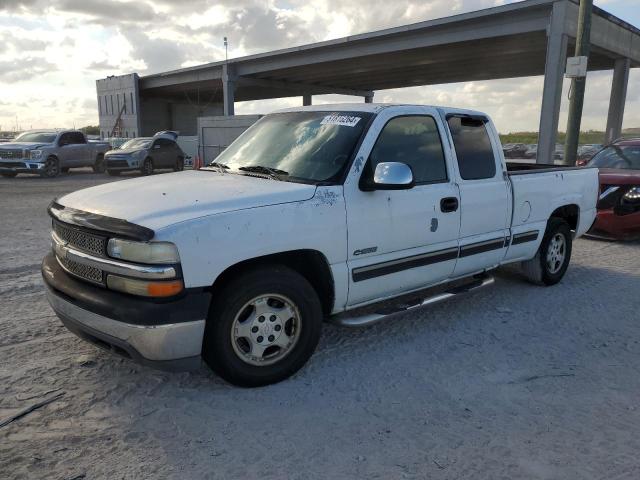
(618,227)
(166,335)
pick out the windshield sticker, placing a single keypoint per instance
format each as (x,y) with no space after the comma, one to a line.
(344,120)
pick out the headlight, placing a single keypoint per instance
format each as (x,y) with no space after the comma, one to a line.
(35,154)
(633,195)
(143,252)
(143,287)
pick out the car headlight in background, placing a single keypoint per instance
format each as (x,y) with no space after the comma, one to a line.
(143,252)
(633,195)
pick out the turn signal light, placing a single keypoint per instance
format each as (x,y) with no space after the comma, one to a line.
(145,288)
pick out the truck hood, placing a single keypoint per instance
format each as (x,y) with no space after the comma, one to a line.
(162,200)
(22,145)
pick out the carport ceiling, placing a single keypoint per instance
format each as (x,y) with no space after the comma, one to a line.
(503,42)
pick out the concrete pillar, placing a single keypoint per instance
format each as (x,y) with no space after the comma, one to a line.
(228,89)
(618,99)
(369,98)
(306,100)
(553,76)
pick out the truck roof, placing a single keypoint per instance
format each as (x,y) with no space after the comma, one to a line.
(370,107)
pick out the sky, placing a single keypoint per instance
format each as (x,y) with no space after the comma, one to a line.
(52,51)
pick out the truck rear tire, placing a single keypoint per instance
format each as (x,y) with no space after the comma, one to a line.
(553,257)
(9,174)
(113,173)
(264,327)
(98,166)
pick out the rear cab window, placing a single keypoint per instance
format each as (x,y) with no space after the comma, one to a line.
(474,152)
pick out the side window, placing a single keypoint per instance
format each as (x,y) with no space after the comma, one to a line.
(473,148)
(65,139)
(77,138)
(413,140)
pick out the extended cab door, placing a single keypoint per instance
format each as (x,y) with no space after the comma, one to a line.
(401,240)
(485,197)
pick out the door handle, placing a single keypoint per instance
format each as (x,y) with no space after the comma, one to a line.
(449,204)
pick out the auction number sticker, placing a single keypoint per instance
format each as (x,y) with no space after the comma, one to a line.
(344,120)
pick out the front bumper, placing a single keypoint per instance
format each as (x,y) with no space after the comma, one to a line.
(20,166)
(610,225)
(166,335)
(121,164)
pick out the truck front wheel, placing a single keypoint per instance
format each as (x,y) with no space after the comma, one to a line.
(51,168)
(552,259)
(263,326)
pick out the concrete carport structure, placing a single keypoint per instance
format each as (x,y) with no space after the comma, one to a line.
(529,38)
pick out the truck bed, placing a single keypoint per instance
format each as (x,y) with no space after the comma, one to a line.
(517,168)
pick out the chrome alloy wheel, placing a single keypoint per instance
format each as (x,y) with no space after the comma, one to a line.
(265,330)
(556,253)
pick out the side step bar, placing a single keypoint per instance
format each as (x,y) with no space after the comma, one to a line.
(367,319)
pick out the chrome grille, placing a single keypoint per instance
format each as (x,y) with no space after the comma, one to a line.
(11,153)
(80,239)
(84,271)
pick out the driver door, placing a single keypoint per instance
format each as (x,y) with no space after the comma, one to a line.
(401,240)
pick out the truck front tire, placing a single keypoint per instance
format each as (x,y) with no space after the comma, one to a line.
(51,168)
(553,257)
(147,167)
(263,326)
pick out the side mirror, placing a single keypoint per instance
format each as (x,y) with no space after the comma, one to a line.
(156,146)
(392,176)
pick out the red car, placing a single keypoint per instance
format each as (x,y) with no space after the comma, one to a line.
(619,203)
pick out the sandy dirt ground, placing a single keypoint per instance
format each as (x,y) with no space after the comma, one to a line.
(514,381)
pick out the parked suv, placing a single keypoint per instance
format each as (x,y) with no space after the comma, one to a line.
(49,152)
(146,154)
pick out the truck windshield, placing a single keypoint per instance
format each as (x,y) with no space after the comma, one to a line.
(37,137)
(299,146)
(625,157)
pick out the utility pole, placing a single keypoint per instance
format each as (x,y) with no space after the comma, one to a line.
(226,46)
(578,83)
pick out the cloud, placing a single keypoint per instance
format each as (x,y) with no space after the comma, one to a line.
(57,48)
(24,69)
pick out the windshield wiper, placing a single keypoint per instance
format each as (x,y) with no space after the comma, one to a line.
(271,172)
(220,166)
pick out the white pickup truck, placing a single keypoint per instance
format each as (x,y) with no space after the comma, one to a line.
(346,213)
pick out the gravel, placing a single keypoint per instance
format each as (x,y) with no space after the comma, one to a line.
(514,381)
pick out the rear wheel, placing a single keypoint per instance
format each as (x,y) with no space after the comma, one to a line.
(147,166)
(113,173)
(179,166)
(98,166)
(553,257)
(265,327)
(51,168)
(9,174)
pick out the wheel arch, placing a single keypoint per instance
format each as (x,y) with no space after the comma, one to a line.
(570,213)
(311,264)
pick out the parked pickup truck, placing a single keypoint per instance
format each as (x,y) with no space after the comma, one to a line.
(346,213)
(49,152)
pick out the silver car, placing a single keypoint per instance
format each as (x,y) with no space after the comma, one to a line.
(145,154)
